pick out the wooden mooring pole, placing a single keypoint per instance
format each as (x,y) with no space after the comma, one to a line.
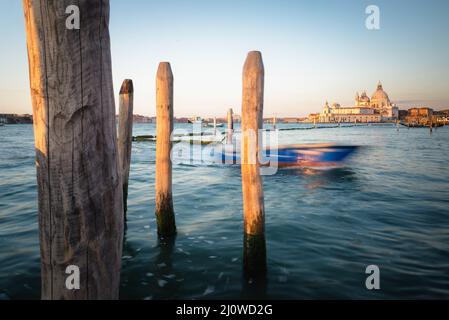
(253,199)
(230,130)
(164,122)
(125,135)
(79,185)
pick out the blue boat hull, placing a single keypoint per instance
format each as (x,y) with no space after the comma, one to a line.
(312,155)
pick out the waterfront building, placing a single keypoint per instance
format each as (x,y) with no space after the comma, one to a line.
(313,118)
(291,120)
(16,118)
(420,112)
(357,114)
(420,117)
(378,108)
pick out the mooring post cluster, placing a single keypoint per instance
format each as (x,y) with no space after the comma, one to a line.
(83,168)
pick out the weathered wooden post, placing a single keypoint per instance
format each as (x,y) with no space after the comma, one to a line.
(125,135)
(79,186)
(164,118)
(230,130)
(253,198)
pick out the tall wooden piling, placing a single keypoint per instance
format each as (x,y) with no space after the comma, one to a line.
(125,135)
(253,198)
(79,185)
(230,130)
(164,121)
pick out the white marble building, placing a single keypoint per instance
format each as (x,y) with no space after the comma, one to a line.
(377,109)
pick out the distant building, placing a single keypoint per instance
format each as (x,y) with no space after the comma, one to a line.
(314,118)
(443,113)
(137,118)
(16,118)
(442,116)
(377,109)
(359,114)
(420,112)
(403,114)
(143,119)
(181,120)
(420,116)
(291,120)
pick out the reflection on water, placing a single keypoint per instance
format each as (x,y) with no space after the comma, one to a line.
(254,284)
(164,264)
(388,206)
(313,178)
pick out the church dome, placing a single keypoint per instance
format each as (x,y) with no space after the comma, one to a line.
(380,94)
(364,97)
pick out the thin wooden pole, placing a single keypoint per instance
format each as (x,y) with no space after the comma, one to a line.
(230,130)
(125,135)
(79,185)
(253,198)
(164,109)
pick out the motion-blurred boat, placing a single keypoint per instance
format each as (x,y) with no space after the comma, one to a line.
(292,156)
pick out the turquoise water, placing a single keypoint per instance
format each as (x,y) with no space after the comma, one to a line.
(389,206)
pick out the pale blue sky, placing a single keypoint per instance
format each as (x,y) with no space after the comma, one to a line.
(313,51)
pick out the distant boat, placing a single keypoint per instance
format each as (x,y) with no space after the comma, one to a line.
(196,120)
(306,155)
(218,125)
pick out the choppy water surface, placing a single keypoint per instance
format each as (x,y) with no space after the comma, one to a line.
(389,207)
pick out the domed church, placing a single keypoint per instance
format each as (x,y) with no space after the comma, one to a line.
(377,109)
(379,101)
